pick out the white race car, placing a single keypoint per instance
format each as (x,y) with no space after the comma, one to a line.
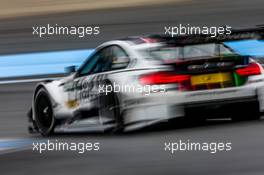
(136,82)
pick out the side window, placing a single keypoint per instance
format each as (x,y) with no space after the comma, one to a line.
(87,68)
(105,61)
(120,58)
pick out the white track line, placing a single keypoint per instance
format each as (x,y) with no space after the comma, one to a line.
(26,80)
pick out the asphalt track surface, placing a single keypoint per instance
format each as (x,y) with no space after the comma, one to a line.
(141,152)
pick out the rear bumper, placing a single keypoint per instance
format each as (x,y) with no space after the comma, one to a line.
(222,102)
(221,108)
(165,106)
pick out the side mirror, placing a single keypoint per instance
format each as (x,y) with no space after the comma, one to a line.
(70,69)
(120,62)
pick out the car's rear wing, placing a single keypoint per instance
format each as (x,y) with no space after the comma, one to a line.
(256,33)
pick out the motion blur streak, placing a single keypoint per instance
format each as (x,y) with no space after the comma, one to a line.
(248,47)
(40,63)
(45,63)
(16,33)
(139,153)
(15,8)
(13,144)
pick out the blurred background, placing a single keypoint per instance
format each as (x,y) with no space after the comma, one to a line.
(116,19)
(25,57)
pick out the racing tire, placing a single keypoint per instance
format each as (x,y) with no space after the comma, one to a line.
(44,118)
(32,125)
(109,107)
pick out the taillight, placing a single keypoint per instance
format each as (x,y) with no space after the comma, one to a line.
(251,69)
(164,78)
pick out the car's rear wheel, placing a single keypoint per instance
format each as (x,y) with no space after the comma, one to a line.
(109,109)
(44,117)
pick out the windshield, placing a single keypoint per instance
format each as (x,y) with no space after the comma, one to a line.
(191,51)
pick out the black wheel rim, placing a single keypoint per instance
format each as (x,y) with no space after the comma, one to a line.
(44,114)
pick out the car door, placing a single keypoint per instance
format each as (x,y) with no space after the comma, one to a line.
(95,75)
(79,90)
(92,76)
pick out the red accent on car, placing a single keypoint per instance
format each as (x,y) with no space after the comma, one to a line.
(149,40)
(156,78)
(250,69)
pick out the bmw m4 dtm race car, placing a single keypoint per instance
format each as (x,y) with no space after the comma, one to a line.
(131,83)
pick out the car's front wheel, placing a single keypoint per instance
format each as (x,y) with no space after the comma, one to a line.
(44,117)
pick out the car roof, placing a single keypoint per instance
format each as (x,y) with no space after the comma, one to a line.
(183,40)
